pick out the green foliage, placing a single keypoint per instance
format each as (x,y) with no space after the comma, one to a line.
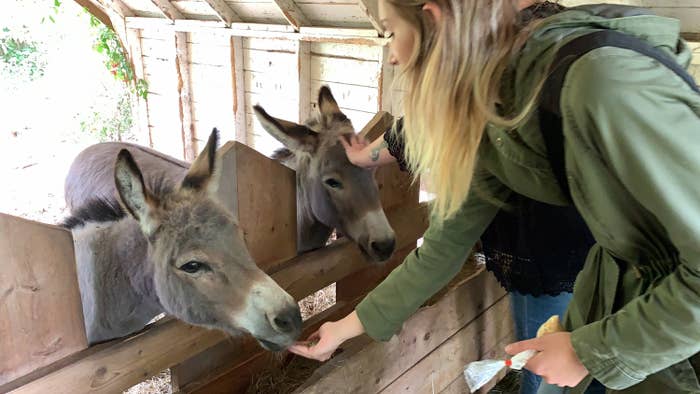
(115,126)
(108,44)
(20,58)
(55,8)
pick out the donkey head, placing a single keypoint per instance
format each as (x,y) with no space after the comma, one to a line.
(202,271)
(332,191)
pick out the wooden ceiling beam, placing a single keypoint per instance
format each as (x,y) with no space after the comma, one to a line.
(224,11)
(371,9)
(168,9)
(292,13)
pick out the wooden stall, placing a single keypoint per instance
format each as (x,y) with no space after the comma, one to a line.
(207,62)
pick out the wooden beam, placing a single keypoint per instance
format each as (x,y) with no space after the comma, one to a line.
(184,88)
(238,89)
(133,38)
(694,37)
(97,10)
(168,9)
(117,365)
(224,11)
(370,8)
(304,78)
(292,13)
(118,7)
(386,82)
(283,32)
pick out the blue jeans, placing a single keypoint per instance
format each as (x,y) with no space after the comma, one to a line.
(529,312)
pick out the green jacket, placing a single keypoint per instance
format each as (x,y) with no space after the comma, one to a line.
(632,142)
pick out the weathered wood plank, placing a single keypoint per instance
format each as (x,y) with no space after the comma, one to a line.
(349,51)
(360,98)
(419,336)
(168,9)
(224,11)
(238,89)
(184,87)
(41,315)
(332,69)
(292,13)
(304,87)
(119,364)
(336,14)
(358,36)
(371,10)
(439,368)
(135,49)
(386,82)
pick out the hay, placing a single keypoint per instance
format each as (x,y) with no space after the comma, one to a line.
(283,377)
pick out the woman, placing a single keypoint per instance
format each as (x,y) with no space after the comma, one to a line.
(631,148)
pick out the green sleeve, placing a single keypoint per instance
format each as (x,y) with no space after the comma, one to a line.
(430,267)
(644,124)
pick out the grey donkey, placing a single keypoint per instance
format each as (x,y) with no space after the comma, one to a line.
(332,192)
(169,246)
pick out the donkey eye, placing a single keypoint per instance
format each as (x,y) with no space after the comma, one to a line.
(192,267)
(334,183)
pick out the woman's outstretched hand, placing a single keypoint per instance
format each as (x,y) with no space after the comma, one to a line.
(323,343)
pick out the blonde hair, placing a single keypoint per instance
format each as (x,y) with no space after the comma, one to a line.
(452,83)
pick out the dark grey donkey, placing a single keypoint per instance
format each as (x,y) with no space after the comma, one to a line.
(332,192)
(172,248)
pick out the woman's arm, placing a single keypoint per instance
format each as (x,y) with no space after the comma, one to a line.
(364,154)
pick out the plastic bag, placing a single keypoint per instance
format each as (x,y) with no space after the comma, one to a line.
(478,373)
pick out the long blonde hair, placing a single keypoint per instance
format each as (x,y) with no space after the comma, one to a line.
(452,83)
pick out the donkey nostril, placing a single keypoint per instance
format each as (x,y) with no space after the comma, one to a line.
(383,248)
(288,321)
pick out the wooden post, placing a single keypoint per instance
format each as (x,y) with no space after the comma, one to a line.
(41,314)
(304,72)
(135,49)
(184,88)
(386,82)
(238,89)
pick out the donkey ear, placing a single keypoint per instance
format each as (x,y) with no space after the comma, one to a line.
(326,103)
(294,136)
(202,168)
(132,191)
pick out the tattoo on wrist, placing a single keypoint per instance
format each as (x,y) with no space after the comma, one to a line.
(374,154)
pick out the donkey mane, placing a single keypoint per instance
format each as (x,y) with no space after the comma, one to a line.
(101,210)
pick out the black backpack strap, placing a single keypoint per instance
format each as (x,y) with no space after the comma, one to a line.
(549,109)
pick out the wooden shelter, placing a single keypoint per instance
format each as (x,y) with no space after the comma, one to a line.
(207,62)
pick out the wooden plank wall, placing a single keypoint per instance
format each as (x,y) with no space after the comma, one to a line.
(353,72)
(158,50)
(212,85)
(271,80)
